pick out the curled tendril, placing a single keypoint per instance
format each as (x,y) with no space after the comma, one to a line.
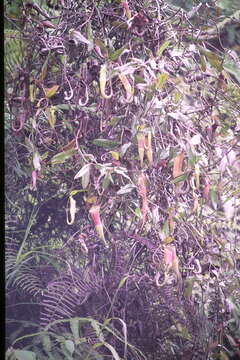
(66,96)
(84,103)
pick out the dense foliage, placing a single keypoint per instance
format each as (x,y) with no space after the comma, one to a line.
(122,123)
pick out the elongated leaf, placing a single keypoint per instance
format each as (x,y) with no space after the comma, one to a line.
(102,47)
(113,351)
(214,59)
(124,326)
(51,116)
(46,342)
(90,36)
(189,287)
(105,143)
(122,171)
(126,189)
(72,210)
(137,212)
(161,80)
(214,198)
(61,157)
(49,92)
(86,178)
(24,355)
(180,178)
(183,332)
(85,169)
(233,69)
(122,282)
(163,47)
(74,325)
(78,37)
(69,344)
(106,181)
(115,155)
(115,54)
(124,148)
(44,70)
(195,140)
(203,63)
(90,199)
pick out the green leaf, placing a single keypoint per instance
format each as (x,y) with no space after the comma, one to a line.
(49,92)
(102,46)
(214,198)
(229,4)
(46,343)
(24,355)
(115,54)
(105,143)
(115,155)
(86,178)
(126,189)
(113,351)
(44,155)
(233,69)
(139,79)
(122,171)
(78,37)
(137,212)
(106,181)
(163,47)
(183,332)
(74,192)
(91,109)
(74,325)
(189,287)
(124,148)
(90,36)
(203,63)
(51,116)
(29,145)
(180,178)
(214,59)
(165,228)
(69,344)
(161,80)
(44,70)
(122,282)
(192,157)
(61,157)
(115,120)
(83,171)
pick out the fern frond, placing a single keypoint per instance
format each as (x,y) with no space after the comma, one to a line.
(65,293)
(21,274)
